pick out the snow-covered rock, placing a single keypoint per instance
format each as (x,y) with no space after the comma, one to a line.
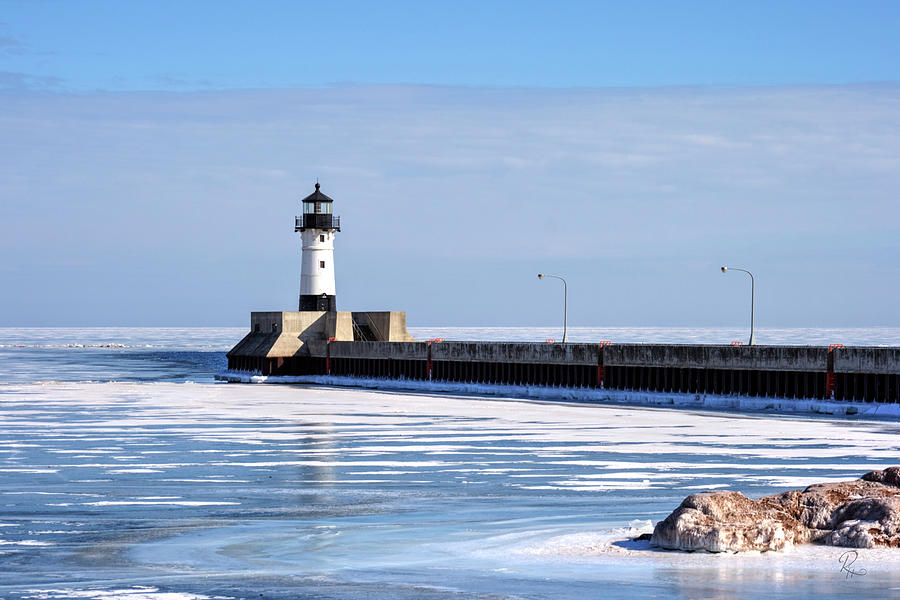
(724,521)
(863,514)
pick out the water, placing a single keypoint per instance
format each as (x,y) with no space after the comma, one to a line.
(126,472)
(856,336)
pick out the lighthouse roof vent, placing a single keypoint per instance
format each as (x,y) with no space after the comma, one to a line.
(317,196)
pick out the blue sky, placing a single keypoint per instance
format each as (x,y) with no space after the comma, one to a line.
(153,155)
(223,45)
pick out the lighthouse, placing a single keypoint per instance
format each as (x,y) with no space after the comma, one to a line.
(317,227)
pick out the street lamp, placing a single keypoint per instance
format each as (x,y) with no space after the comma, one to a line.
(752,292)
(565,304)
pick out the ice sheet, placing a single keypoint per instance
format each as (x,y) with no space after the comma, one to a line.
(627,397)
(490,495)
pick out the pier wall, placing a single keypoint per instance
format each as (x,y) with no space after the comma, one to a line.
(812,372)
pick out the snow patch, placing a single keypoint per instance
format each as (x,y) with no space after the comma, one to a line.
(627,397)
(136,593)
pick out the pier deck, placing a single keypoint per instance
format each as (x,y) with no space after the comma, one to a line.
(867,374)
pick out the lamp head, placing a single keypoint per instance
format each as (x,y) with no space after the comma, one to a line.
(724,269)
(540,275)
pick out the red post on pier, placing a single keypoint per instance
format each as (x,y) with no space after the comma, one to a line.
(829,375)
(328,355)
(601,371)
(428,365)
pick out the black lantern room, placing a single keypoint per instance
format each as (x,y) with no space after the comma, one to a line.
(317,213)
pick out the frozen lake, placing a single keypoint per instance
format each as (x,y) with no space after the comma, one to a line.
(139,482)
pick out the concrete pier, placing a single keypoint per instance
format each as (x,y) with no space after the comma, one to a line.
(319,343)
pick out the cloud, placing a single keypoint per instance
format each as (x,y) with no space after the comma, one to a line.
(621,186)
(21,82)
(11,46)
(173,82)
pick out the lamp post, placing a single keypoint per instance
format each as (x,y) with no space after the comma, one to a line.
(565,304)
(752,292)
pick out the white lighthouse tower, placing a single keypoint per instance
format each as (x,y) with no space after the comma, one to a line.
(317,227)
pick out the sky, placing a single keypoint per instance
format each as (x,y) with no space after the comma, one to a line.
(153,156)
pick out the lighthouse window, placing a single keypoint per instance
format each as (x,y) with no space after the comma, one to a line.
(322,238)
(321,264)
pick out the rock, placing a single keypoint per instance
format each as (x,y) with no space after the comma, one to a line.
(890,476)
(818,504)
(862,514)
(867,523)
(726,522)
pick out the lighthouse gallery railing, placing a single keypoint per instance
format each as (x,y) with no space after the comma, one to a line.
(317,221)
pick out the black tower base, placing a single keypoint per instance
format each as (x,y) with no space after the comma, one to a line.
(323,302)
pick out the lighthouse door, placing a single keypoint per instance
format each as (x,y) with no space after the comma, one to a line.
(322,302)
